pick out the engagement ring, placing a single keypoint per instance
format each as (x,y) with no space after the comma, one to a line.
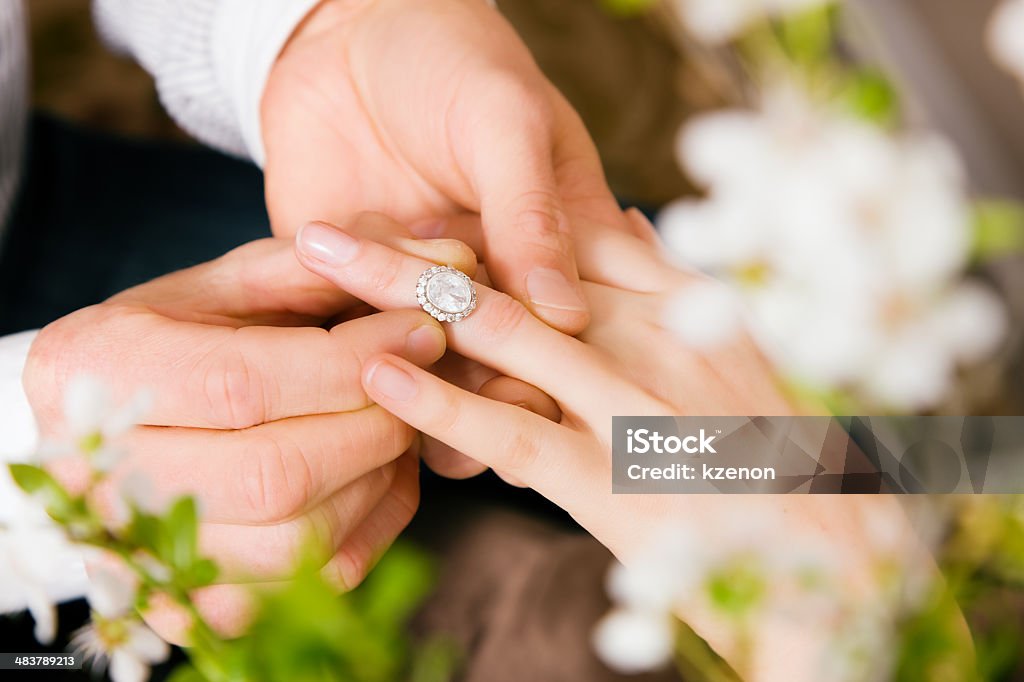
(446,294)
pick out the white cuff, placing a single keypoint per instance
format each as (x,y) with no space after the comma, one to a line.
(41,556)
(246,39)
(171,39)
(210,59)
(18,433)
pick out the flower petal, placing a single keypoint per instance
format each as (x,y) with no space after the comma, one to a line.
(109,594)
(146,644)
(124,667)
(634,641)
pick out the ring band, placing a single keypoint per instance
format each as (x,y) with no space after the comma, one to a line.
(447,294)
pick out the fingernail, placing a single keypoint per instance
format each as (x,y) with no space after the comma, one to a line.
(551,289)
(327,244)
(425,342)
(393,382)
(431,228)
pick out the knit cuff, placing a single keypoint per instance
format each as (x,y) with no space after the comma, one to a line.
(247,38)
(210,59)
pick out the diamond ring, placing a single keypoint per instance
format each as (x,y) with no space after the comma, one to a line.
(447,294)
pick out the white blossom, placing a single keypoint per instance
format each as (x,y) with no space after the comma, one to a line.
(20,590)
(128,645)
(704,315)
(116,634)
(847,245)
(1005,32)
(94,423)
(631,641)
(89,408)
(662,575)
(110,595)
(673,574)
(136,490)
(36,562)
(718,21)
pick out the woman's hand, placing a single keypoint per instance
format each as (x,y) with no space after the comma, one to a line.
(624,364)
(425,108)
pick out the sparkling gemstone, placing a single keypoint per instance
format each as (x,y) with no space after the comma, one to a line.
(450,292)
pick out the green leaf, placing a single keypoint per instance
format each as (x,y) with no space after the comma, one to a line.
(627,8)
(934,645)
(38,483)
(305,630)
(173,540)
(869,95)
(436,660)
(998,228)
(182,525)
(396,586)
(145,531)
(32,479)
(807,36)
(737,589)
(696,660)
(186,673)
(203,572)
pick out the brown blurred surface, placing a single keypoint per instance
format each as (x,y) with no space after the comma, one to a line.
(76,77)
(619,73)
(521,599)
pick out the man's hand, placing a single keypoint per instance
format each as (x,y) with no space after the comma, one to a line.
(427,108)
(267,425)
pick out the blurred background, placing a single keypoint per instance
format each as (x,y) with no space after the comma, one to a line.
(622,75)
(629,77)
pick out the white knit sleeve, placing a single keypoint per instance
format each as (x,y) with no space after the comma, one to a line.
(210,59)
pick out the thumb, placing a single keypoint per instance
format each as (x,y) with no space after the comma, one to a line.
(258,283)
(262,282)
(525,229)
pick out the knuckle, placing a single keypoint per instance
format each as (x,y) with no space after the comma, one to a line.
(61,350)
(375,428)
(538,216)
(364,222)
(276,480)
(385,277)
(227,381)
(353,561)
(47,360)
(518,449)
(308,537)
(445,414)
(281,547)
(350,565)
(499,318)
(407,502)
